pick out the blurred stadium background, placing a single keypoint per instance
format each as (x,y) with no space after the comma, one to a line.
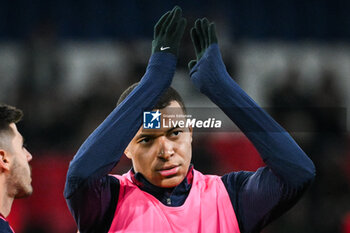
(65,64)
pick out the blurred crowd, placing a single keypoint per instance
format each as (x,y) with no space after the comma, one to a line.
(66,88)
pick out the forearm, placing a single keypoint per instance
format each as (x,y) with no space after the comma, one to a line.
(105,146)
(277,148)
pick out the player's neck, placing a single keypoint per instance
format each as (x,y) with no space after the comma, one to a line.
(5,200)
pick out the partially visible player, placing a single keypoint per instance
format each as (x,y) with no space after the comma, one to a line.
(15,172)
(163,192)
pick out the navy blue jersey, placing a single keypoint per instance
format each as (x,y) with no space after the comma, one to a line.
(4,226)
(257,197)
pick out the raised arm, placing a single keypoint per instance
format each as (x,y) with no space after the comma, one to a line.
(261,196)
(89,191)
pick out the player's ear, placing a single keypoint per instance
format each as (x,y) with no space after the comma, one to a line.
(190,129)
(4,162)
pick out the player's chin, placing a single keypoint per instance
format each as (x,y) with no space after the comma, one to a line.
(24,192)
(171,181)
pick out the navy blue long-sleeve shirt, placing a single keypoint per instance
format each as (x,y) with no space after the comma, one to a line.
(4,225)
(257,197)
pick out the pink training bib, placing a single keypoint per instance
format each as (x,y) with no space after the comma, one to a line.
(207,209)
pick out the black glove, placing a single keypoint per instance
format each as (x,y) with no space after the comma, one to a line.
(168,32)
(203,35)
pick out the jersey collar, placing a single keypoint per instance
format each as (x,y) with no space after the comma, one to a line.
(138,179)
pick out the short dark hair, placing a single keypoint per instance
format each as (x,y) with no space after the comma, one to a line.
(169,95)
(8,115)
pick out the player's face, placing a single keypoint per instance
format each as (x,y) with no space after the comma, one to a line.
(162,155)
(19,180)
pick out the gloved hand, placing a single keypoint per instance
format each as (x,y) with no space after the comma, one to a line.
(168,32)
(203,34)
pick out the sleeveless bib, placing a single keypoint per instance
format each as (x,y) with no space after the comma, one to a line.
(207,209)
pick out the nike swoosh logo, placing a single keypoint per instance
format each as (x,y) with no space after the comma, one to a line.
(164,48)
